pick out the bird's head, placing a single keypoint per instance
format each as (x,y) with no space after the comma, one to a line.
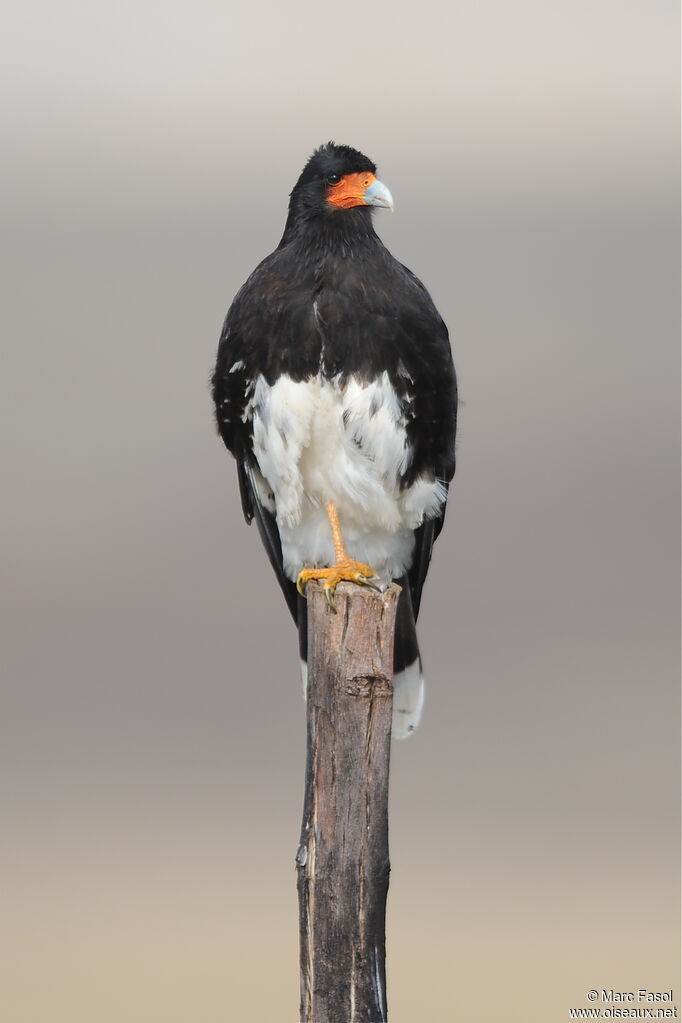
(336,179)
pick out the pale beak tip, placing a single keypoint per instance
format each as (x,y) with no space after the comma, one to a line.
(378,195)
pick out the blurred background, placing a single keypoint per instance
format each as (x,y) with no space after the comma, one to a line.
(152,727)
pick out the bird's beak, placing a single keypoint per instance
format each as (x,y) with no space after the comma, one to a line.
(377,195)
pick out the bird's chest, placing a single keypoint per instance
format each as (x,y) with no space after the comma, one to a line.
(339,439)
(332,323)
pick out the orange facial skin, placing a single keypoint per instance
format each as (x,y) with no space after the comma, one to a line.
(350,190)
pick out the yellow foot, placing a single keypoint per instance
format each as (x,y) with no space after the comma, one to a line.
(343,571)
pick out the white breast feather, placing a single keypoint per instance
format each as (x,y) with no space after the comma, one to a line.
(317,441)
(282,420)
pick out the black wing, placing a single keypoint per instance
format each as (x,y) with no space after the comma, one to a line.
(232,389)
(269,533)
(432,420)
(425,537)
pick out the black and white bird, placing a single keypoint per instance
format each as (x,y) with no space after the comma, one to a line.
(335,391)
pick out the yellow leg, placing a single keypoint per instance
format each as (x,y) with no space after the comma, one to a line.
(344,568)
(337,536)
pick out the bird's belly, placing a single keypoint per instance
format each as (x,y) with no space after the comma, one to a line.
(319,441)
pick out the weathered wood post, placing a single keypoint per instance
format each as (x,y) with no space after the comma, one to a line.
(342,859)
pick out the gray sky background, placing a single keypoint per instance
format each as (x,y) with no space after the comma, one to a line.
(152,728)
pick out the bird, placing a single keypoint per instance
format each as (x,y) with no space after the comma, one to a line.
(335,391)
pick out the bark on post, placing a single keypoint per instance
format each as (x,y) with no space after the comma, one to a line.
(342,860)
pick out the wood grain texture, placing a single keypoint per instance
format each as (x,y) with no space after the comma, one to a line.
(342,860)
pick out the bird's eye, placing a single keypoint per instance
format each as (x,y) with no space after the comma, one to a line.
(333,179)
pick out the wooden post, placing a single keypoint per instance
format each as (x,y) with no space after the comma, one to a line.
(342,859)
